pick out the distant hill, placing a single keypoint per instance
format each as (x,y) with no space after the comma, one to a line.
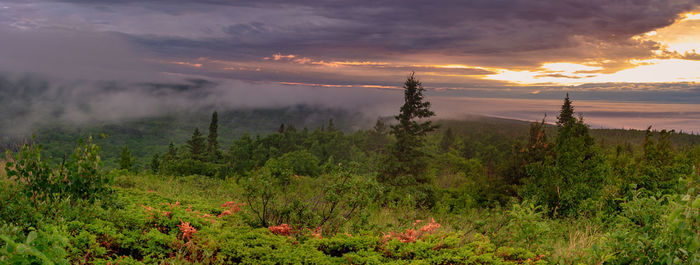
(148,136)
(510,128)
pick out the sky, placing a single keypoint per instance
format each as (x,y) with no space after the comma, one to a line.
(625,64)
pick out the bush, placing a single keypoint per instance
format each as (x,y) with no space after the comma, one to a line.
(79,178)
(302,163)
(275,197)
(38,247)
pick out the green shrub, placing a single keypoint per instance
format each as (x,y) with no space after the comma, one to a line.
(302,163)
(38,247)
(275,197)
(79,178)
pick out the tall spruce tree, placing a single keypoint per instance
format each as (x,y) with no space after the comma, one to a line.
(196,145)
(406,157)
(213,152)
(125,160)
(570,180)
(566,115)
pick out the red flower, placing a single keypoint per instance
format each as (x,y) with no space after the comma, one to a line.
(431,227)
(283,229)
(187,230)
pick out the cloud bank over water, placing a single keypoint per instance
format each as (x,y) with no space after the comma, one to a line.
(627,63)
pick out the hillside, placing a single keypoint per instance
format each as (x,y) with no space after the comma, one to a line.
(147,136)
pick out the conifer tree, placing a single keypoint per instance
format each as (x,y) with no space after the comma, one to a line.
(155,163)
(573,174)
(566,115)
(172,153)
(448,138)
(125,161)
(380,127)
(196,145)
(331,125)
(213,152)
(377,137)
(406,157)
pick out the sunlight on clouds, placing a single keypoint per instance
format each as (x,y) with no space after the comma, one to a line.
(553,73)
(692,16)
(679,42)
(656,70)
(569,68)
(648,71)
(681,37)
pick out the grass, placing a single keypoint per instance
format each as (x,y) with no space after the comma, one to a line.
(3,174)
(191,189)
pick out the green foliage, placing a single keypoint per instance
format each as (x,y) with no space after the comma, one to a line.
(38,179)
(213,152)
(172,153)
(657,230)
(570,180)
(82,176)
(186,167)
(566,114)
(406,156)
(527,225)
(155,163)
(39,247)
(447,140)
(196,145)
(275,196)
(301,162)
(79,178)
(501,194)
(125,160)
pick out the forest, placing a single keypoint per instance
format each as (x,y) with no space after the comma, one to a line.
(408,189)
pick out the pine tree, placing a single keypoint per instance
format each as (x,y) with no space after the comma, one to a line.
(377,137)
(448,138)
(155,163)
(213,152)
(172,153)
(331,125)
(380,127)
(196,145)
(566,115)
(125,161)
(574,173)
(406,156)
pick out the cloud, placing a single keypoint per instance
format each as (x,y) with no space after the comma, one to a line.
(123,59)
(30,101)
(503,32)
(69,54)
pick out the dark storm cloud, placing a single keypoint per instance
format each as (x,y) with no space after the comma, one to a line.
(518,32)
(134,58)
